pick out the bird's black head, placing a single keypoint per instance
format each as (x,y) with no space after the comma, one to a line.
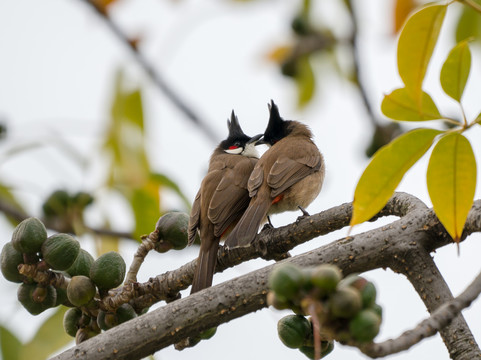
(277,128)
(237,142)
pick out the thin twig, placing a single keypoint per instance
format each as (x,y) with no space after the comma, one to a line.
(439,319)
(18,215)
(154,75)
(144,248)
(356,60)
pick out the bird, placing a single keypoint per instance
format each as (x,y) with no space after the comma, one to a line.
(287,177)
(222,198)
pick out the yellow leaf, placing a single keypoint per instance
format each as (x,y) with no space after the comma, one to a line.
(305,81)
(416,45)
(386,170)
(455,70)
(103,5)
(104,243)
(402,9)
(279,54)
(399,105)
(451,180)
(145,204)
(469,24)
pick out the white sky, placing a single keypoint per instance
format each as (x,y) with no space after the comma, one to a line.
(57,62)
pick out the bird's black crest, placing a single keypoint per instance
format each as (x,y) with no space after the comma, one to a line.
(235,130)
(236,135)
(277,126)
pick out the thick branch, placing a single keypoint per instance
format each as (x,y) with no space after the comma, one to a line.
(439,319)
(444,319)
(270,244)
(379,248)
(422,272)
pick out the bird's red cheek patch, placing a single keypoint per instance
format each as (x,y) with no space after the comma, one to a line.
(232,147)
(277,199)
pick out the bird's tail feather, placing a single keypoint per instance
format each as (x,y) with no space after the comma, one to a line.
(247,227)
(204,271)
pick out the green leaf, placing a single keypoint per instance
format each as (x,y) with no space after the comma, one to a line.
(146,207)
(125,137)
(399,105)
(451,179)
(469,24)
(133,108)
(385,171)
(305,80)
(10,344)
(165,181)
(455,71)
(415,47)
(8,198)
(50,337)
(478,119)
(127,104)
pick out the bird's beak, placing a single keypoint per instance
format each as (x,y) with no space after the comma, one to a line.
(255,139)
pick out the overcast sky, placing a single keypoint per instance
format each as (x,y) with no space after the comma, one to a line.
(57,65)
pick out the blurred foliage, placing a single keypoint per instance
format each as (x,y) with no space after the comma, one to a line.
(10,344)
(9,199)
(130,173)
(469,24)
(49,338)
(3,130)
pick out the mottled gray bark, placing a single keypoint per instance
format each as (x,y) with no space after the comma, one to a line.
(404,246)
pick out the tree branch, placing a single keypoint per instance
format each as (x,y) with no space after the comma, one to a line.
(269,244)
(378,248)
(154,75)
(438,321)
(419,267)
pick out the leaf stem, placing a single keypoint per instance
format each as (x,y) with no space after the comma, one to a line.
(465,122)
(452,121)
(316,327)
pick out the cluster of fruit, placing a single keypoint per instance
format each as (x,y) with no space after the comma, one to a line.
(71,275)
(59,202)
(345,308)
(297,332)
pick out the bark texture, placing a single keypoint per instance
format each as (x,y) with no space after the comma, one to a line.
(404,246)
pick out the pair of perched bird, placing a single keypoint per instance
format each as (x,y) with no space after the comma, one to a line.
(240,190)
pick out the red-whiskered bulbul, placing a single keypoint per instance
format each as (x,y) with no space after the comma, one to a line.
(288,175)
(222,198)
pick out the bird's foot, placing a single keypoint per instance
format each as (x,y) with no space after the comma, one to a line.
(304,213)
(268,224)
(282,256)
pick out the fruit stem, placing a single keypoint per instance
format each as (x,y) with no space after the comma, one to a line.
(316,330)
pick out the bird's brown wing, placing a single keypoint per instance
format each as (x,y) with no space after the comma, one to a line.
(231,197)
(255,180)
(288,170)
(194,219)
